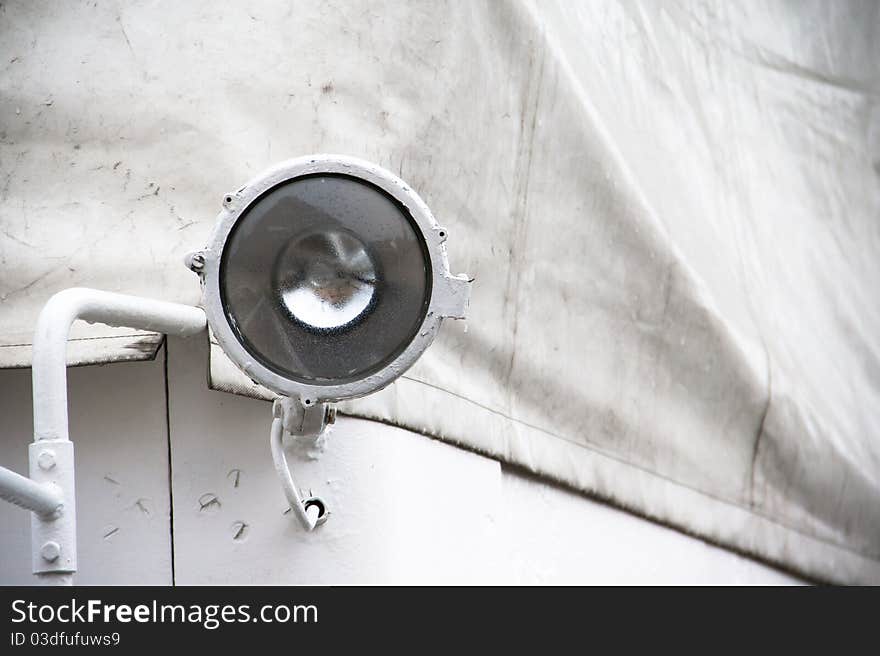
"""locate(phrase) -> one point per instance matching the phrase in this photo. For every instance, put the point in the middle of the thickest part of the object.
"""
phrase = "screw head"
(50, 551)
(46, 460)
(195, 261)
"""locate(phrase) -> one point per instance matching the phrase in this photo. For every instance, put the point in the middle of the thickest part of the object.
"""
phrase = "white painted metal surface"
(452, 516)
(406, 509)
(554, 536)
(117, 418)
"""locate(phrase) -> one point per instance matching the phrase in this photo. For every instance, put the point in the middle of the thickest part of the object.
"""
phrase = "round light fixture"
(326, 278)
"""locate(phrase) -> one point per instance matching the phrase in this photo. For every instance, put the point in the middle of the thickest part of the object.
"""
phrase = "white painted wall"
(406, 508)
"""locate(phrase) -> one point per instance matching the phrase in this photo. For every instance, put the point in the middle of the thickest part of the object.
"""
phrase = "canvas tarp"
(670, 210)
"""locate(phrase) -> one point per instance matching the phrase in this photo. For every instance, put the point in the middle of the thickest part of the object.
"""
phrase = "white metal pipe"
(53, 328)
(53, 537)
(41, 498)
(308, 518)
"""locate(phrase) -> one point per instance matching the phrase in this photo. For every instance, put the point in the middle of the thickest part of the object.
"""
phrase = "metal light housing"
(326, 278)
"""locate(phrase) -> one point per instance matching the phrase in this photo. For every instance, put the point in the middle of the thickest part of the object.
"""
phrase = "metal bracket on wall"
(53, 535)
(49, 495)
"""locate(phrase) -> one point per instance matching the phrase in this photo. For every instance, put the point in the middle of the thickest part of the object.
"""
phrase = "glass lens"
(325, 279)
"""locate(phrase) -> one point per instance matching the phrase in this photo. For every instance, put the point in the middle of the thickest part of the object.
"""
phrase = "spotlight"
(325, 279)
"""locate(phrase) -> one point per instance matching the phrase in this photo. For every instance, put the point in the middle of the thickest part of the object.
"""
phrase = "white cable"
(307, 516)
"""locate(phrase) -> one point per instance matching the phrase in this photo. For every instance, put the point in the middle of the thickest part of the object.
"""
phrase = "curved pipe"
(308, 514)
(53, 328)
(53, 536)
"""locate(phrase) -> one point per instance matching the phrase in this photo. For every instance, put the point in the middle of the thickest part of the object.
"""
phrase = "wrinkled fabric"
(670, 210)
